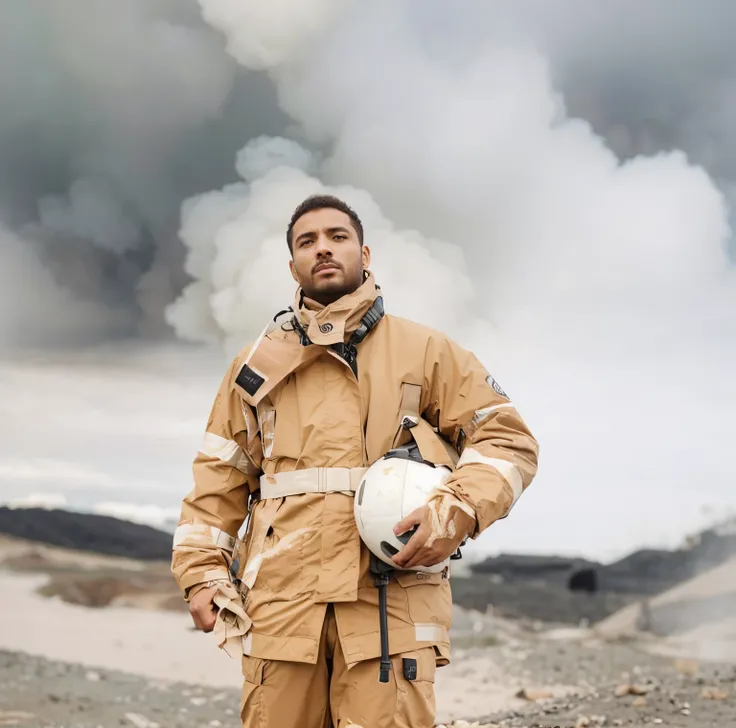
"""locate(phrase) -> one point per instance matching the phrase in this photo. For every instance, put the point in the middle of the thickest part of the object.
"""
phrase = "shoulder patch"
(491, 382)
(249, 380)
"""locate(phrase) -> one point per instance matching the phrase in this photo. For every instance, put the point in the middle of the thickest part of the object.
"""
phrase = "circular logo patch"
(326, 328)
(496, 387)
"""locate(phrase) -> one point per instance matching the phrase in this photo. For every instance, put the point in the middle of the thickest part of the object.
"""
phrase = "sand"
(158, 645)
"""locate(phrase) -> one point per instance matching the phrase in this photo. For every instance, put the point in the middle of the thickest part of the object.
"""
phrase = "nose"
(323, 247)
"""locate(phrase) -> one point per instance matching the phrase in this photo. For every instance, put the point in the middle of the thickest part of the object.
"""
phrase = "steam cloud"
(549, 182)
(112, 114)
(600, 283)
(268, 35)
(115, 113)
(543, 205)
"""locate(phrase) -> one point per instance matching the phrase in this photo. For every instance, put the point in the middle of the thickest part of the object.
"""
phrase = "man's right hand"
(203, 609)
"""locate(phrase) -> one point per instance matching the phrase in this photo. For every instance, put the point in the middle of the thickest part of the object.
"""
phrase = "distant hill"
(86, 532)
(643, 572)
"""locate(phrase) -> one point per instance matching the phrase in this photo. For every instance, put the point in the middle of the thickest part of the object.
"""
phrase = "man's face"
(327, 258)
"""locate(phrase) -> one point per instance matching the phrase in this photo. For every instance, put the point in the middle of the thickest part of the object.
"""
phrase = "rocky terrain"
(547, 681)
(90, 639)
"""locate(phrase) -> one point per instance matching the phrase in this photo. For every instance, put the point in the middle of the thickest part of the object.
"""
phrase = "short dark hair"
(320, 202)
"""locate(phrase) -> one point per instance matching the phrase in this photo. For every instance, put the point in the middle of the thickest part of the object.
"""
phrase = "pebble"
(140, 721)
(534, 694)
(14, 717)
(713, 694)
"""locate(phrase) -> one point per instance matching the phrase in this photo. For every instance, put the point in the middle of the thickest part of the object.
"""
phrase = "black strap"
(304, 340)
(368, 322)
(382, 573)
(282, 312)
(349, 351)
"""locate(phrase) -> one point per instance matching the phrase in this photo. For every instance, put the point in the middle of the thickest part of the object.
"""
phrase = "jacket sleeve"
(226, 470)
(498, 454)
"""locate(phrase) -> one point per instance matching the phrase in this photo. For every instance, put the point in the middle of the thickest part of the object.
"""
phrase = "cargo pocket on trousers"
(429, 602)
(415, 699)
(252, 714)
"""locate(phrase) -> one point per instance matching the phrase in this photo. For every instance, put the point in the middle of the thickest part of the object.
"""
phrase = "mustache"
(327, 263)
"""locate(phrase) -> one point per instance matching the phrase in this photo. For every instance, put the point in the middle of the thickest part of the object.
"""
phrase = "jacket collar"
(334, 323)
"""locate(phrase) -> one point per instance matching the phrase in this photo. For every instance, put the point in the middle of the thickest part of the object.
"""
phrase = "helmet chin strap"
(381, 570)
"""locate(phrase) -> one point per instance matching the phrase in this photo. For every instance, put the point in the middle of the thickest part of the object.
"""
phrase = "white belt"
(311, 480)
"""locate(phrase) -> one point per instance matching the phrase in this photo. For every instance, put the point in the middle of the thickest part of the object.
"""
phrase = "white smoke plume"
(268, 34)
(238, 247)
(498, 166)
(597, 287)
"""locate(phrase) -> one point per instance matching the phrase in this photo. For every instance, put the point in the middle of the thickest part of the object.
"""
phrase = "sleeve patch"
(491, 382)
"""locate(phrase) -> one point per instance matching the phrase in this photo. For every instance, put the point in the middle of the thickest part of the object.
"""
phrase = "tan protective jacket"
(300, 408)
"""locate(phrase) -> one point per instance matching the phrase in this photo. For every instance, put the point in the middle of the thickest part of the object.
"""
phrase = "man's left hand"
(430, 545)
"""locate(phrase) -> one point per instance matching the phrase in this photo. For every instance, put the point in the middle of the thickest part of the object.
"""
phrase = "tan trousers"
(280, 694)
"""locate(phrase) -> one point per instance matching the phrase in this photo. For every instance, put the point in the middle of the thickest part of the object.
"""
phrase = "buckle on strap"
(321, 480)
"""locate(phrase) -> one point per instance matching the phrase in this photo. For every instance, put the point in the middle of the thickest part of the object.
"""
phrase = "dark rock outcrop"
(86, 532)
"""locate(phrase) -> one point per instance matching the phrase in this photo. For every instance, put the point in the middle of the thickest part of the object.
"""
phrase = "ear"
(292, 269)
(365, 255)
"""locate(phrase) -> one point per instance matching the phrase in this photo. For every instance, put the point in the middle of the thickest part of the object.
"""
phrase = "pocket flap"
(412, 578)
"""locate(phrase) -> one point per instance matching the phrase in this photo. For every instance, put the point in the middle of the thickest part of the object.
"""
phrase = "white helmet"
(393, 487)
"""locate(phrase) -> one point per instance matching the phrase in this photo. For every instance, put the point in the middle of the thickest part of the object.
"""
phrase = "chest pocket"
(411, 424)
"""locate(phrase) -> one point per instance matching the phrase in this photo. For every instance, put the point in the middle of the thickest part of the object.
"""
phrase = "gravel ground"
(613, 685)
(619, 685)
(44, 694)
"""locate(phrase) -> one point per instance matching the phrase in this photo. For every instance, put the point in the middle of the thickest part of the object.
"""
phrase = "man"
(299, 416)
